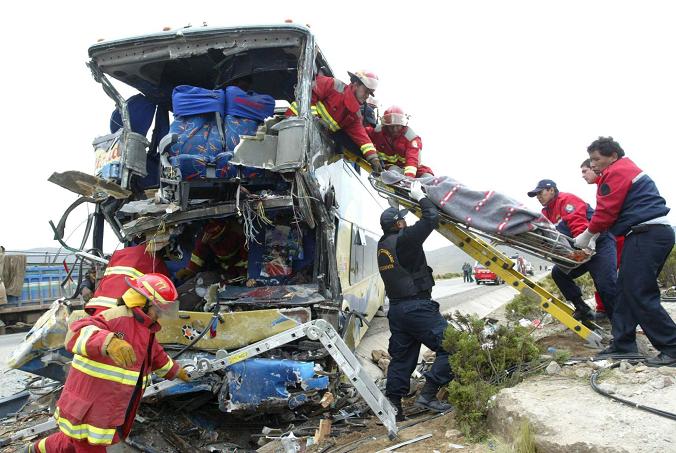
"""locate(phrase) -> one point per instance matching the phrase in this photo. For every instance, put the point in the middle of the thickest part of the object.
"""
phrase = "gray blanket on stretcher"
(487, 211)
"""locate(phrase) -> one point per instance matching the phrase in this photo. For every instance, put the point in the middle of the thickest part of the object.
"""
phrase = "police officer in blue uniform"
(413, 316)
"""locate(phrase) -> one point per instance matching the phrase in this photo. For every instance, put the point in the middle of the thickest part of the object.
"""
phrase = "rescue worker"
(398, 146)
(338, 106)
(222, 242)
(129, 262)
(369, 112)
(571, 216)
(413, 316)
(628, 204)
(591, 177)
(114, 353)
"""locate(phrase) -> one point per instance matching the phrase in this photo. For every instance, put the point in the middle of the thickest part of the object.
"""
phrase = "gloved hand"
(374, 162)
(183, 375)
(121, 353)
(416, 191)
(184, 274)
(586, 239)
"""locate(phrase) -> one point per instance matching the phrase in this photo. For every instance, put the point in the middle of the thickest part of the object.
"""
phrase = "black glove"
(374, 161)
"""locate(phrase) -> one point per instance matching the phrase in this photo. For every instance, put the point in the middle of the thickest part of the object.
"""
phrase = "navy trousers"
(413, 323)
(603, 270)
(638, 298)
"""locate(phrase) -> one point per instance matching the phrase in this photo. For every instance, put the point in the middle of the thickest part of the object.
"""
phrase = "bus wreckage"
(202, 157)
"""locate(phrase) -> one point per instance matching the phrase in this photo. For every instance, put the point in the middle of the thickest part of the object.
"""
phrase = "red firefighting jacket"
(336, 105)
(129, 262)
(625, 197)
(226, 248)
(403, 150)
(569, 213)
(99, 399)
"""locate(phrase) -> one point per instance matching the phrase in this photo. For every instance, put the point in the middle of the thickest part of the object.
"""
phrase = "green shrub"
(448, 275)
(483, 360)
(667, 277)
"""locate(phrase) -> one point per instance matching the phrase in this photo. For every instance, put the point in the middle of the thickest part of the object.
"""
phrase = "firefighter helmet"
(156, 288)
(395, 116)
(367, 78)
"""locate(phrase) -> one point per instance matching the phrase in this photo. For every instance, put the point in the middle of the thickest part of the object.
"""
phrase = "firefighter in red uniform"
(223, 242)
(397, 145)
(114, 354)
(571, 216)
(129, 262)
(591, 177)
(628, 204)
(338, 106)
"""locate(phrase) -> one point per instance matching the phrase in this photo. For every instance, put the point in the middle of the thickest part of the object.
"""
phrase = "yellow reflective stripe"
(81, 342)
(294, 108)
(102, 301)
(411, 169)
(162, 371)
(42, 447)
(242, 263)
(313, 110)
(104, 371)
(197, 260)
(391, 159)
(152, 292)
(327, 117)
(123, 270)
(228, 256)
(93, 434)
(367, 148)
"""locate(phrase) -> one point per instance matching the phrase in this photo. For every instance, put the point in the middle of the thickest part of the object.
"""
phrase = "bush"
(522, 307)
(484, 360)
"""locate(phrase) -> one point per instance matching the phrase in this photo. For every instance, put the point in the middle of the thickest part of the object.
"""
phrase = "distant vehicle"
(484, 275)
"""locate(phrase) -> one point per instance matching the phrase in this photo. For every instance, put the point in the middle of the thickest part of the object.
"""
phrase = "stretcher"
(481, 246)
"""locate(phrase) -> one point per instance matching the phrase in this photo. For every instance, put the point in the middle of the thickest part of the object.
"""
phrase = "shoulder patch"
(338, 85)
(569, 208)
(410, 134)
(120, 311)
(604, 189)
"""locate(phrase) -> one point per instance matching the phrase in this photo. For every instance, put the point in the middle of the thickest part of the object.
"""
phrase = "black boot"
(428, 399)
(396, 402)
(582, 311)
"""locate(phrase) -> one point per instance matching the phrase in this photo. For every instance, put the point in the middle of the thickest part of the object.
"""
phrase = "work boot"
(661, 359)
(428, 399)
(582, 311)
(612, 352)
(396, 402)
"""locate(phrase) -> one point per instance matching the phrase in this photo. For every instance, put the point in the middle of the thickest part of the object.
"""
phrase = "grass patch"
(447, 275)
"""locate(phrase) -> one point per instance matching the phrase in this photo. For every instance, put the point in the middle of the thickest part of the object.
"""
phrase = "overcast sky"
(502, 93)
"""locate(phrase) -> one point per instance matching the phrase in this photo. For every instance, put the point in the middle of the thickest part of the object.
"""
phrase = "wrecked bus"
(305, 220)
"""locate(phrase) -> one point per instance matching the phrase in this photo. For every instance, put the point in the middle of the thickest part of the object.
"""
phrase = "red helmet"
(395, 116)
(369, 79)
(157, 288)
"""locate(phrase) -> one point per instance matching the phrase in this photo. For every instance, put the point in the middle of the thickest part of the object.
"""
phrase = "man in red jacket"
(129, 262)
(628, 204)
(338, 106)
(571, 216)
(398, 146)
(591, 177)
(114, 354)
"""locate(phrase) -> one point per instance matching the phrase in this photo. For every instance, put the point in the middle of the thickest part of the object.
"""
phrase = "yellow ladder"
(500, 264)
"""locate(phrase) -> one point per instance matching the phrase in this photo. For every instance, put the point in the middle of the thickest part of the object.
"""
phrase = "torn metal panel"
(237, 329)
(257, 383)
(88, 185)
(147, 223)
(285, 295)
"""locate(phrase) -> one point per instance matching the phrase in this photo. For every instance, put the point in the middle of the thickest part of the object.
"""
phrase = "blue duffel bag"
(248, 104)
(198, 122)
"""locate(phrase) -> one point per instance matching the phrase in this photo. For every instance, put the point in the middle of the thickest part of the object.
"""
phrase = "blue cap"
(542, 185)
(390, 216)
